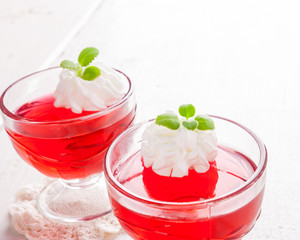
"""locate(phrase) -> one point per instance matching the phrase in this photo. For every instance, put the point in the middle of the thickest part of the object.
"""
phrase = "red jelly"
(192, 187)
(66, 150)
(230, 170)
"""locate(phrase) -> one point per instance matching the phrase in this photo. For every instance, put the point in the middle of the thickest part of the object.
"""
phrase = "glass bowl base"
(75, 201)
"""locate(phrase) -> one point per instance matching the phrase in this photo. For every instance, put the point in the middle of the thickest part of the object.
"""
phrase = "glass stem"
(82, 183)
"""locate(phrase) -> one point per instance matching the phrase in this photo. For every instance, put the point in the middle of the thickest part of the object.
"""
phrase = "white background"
(237, 59)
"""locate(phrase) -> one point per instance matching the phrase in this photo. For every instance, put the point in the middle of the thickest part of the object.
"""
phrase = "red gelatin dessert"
(170, 180)
(79, 148)
(192, 187)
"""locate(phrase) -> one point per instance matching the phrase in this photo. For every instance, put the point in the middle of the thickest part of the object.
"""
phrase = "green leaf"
(67, 64)
(87, 55)
(169, 120)
(190, 125)
(205, 122)
(91, 73)
(187, 110)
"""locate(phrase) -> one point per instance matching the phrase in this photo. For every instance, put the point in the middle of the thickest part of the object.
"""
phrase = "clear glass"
(229, 216)
(71, 150)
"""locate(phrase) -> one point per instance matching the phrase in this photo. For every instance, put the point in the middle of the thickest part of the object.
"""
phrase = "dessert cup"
(228, 216)
(70, 150)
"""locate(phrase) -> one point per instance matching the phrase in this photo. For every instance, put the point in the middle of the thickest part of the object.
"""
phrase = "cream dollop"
(174, 152)
(74, 93)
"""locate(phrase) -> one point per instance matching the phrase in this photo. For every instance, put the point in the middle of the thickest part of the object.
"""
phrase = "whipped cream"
(174, 152)
(74, 93)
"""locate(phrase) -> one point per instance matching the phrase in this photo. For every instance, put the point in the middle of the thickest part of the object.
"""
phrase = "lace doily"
(27, 220)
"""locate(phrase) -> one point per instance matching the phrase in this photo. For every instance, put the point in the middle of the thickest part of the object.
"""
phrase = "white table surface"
(237, 59)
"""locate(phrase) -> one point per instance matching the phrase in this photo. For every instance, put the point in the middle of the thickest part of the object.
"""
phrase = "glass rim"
(102, 112)
(251, 181)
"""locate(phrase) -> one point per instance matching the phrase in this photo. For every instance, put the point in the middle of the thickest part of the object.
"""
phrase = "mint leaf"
(169, 120)
(190, 125)
(187, 110)
(87, 55)
(67, 64)
(205, 122)
(90, 73)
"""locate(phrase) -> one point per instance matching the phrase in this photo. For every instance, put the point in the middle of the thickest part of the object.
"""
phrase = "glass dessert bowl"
(65, 145)
(222, 203)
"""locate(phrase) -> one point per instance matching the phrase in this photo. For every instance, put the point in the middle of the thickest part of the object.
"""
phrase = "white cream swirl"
(74, 93)
(174, 152)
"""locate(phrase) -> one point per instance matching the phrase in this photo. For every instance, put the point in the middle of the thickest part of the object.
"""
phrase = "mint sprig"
(190, 125)
(69, 65)
(90, 72)
(187, 110)
(171, 120)
(87, 55)
(205, 122)
(82, 68)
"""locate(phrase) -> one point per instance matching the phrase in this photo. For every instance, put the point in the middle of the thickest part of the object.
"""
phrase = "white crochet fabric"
(28, 221)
